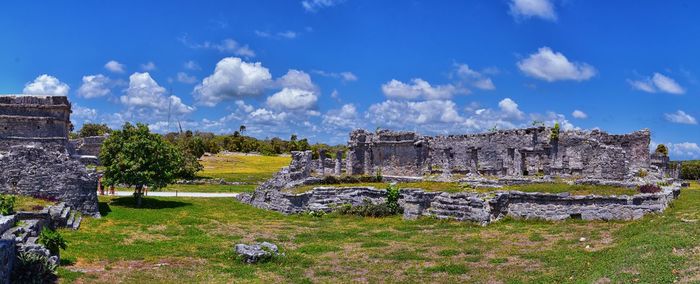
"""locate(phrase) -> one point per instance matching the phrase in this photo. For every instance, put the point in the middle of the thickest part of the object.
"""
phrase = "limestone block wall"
(517, 152)
(43, 171)
(34, 116)
(474, 207)
(7, 260)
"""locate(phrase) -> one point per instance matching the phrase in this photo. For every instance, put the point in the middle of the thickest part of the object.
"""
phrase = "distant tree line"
(193, 145)
(690, 170)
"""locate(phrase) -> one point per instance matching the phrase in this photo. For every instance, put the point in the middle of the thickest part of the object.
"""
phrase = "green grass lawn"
(456, 187)
(242, 167)
(26, 203)
(188, 240)
(203, 188)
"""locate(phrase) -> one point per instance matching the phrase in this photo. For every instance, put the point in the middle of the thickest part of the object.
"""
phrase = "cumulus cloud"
(579, 114)
(474, 78)
(316, 5)
(95, 86)
(150, 66)
(225, 46)
(345, 118)
(114, 66)
(232, 78)
(552, 66)
(510, 108)
(292, 99)
(680, 117)
(144, 95)
(343, 76)
(84, 113)
(46, 85)
(295, 79)
(183, 77)
(418, 89)
(657, 83)
(543, 9)
(402, 114)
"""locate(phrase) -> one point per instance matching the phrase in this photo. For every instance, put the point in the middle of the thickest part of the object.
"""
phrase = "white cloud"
(287, 34)
(83, 113)
(474, 78)
(554, 66)
(295, 79)
(315, 5)
(225, 46)
(658, 83)
(95, 86)
(46, 85)
(115, 66)
(293, 99)
(150, 66)
(680, 117)
(345, 118)
(510, 108)
(402, 114)
(418, 89)
(533, 8)
(233, 78)
(145, 95)
(579, 114)
(183, 77)
(343, 76)
(191, 65)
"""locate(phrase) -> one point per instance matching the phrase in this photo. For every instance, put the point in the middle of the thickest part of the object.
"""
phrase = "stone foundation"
(474, 207)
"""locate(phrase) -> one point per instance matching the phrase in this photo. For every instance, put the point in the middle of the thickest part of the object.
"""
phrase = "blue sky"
(319, 68)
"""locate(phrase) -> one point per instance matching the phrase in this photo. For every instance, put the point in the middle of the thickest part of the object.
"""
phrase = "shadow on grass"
(104, 208)
(147, 203)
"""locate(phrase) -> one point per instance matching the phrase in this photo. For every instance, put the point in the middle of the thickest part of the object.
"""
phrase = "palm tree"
(241, 128)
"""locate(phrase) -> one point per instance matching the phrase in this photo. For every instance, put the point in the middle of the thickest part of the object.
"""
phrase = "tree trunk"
(138, 194)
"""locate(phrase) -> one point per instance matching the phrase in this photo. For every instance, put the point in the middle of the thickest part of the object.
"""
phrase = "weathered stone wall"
(36, 158)
(43, 172)
(89, 146)
(474, 207)
(34, 116)
(518, 152)
(7, 260)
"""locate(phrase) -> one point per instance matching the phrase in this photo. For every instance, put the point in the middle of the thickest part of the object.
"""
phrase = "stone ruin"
(507, 157)
(514, 153)
(36, 158)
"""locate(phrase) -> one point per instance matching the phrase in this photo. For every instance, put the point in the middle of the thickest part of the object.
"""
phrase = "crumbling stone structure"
(87, 149)
(517, 152)
(36, 158)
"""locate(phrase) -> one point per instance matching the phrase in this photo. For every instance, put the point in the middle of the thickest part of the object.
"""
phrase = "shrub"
(33, 268)
(366, 210)
(378, 176)
(555, 132)
(392, 198)
(642, 173)
(52, 240)
(662, 150)
(649, 188)
(7, 204)
(316, 213)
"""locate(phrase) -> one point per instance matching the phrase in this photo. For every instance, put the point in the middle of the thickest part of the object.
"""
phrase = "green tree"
(662, 149)
(241, 128)
(136, 157)
(94, 129)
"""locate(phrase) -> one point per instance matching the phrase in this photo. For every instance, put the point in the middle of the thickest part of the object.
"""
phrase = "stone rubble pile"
(257, 252)
(19, 233)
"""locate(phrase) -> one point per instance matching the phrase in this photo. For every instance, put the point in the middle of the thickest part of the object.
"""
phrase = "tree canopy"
(136, 157)
(94, 129)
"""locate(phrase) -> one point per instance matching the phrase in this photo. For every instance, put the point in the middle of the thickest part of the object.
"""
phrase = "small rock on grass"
(259, 252)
